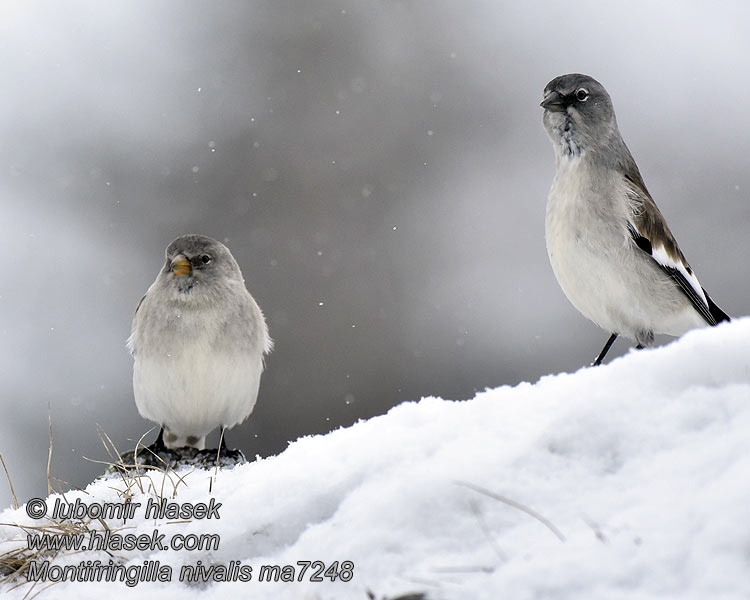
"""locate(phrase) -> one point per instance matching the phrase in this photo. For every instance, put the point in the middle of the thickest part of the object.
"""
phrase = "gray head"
(579, 117)
(195, 262)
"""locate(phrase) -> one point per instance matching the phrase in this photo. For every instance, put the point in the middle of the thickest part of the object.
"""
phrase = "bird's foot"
(158, 456)
(221, 457)
(153, 457)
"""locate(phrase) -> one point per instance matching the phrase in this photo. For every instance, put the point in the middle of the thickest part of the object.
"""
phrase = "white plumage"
(198, 341)
(610, 282)
(609, 246)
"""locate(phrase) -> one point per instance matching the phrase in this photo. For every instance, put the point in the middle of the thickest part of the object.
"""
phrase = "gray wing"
(649, 231)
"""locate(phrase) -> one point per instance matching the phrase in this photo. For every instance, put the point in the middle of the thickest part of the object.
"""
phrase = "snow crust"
(641, 466)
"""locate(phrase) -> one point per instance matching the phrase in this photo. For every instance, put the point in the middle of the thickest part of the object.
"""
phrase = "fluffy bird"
(198, 341)
(610, 247)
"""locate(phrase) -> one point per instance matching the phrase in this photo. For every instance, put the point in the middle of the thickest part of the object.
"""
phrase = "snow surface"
(642, 465)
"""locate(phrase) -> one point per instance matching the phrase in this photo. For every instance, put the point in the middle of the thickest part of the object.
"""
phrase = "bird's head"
(578, 115)
(199, 261)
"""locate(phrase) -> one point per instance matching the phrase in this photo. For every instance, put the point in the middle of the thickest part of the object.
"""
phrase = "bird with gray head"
(198, 341)
(610, 247)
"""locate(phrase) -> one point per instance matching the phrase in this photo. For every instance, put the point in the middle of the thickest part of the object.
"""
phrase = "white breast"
(618, 287)
(194, 391)
(184, 377)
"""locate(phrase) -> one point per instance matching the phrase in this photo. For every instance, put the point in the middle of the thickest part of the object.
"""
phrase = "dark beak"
(554, 102)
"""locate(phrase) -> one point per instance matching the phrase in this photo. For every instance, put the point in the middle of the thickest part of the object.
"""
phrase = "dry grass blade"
(27, 597)
(218, 451)
(14, 562)
(486, 531)
(10, 483)
(108, 444)
(510, 502)
(133, 473)
(51, 445)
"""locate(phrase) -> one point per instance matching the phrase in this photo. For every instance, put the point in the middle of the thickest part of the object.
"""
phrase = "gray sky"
(379, 170)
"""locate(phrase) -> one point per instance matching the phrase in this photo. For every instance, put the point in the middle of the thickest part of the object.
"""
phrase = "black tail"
(718, 314)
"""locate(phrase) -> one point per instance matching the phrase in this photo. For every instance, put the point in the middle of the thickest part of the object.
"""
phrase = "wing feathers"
(678, 272)
(651, 234)
(718, 314)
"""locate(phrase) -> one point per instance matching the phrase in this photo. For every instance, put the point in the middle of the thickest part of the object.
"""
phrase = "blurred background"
(378, 168)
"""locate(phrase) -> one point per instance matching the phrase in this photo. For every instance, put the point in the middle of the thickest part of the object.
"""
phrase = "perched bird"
(198, 341)
(610, 247)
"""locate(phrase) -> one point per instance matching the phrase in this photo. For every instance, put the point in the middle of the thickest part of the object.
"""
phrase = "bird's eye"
(205, 259)
(582, 94)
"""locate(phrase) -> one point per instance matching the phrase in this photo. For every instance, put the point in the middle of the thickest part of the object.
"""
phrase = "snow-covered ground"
(631, 480)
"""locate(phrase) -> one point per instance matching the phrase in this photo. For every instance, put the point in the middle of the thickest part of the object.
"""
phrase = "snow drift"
(630, 480)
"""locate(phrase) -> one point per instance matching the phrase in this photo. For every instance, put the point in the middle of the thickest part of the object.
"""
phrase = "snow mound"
(630, 480)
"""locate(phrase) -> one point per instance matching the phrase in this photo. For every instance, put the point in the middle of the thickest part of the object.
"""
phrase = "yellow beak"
(181, 265)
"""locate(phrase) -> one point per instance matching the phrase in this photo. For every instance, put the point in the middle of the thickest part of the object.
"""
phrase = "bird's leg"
(221, 456)
(640, 347)
(235, 455)
(604, 351)
(157, 454)
(158, 445)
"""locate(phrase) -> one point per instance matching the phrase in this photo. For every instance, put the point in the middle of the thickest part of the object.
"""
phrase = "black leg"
(604, 351)
(158, 446)
(157, 454)
(159, 443)
(640, 347)
(221, 456)
(231, 456)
